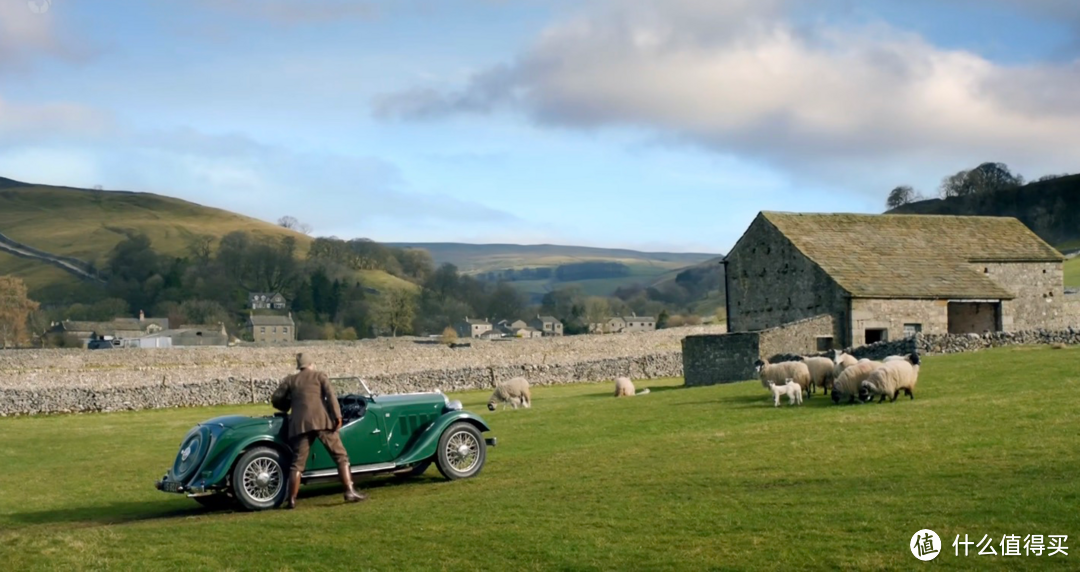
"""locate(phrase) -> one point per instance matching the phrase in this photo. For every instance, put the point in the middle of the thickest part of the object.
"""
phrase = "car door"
(364, 439)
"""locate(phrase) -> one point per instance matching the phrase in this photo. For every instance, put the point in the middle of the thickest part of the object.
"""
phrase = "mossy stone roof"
(913, 256)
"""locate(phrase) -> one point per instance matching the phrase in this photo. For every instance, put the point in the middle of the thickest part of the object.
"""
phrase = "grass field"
(682, 479)
(1072, 272)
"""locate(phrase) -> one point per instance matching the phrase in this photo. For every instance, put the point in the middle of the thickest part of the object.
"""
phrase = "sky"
(646, 124)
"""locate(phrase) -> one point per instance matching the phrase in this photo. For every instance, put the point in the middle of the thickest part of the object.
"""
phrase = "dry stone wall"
(60, 381)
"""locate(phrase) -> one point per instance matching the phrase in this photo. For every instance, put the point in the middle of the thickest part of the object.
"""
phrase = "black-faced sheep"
(790, 389)
(779, 373)
(822, 370)
(891, 378)
(625, 388)
(515, 392)
(847, 385)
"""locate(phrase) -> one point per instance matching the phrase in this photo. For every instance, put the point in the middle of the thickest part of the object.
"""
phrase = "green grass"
(1072, 272)
(682, 479)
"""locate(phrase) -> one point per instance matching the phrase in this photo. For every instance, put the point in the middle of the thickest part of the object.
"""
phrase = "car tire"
(220, 501)
(260, 479)
(462, 451)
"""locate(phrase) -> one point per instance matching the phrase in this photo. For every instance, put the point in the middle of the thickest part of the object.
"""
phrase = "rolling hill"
(1049, 208)
(512, 261)
(86, 224)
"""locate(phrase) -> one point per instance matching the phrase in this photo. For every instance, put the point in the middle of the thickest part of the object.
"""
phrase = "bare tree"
(288, 222)
(15, 310)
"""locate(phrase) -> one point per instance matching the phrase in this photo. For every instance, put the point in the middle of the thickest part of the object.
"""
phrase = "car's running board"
(355, 469)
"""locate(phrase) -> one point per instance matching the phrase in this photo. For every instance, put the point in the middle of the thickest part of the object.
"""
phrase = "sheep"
(894, 358)
(849, 382)
(625, 387)
(891, 378)
(842, 361)
(821, 372)
(515, 392)
(781, 372)
(790, 388)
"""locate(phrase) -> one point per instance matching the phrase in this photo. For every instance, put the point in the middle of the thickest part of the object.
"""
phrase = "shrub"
(449, 335)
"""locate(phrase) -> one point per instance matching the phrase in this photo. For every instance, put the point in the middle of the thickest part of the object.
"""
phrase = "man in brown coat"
(315, 415)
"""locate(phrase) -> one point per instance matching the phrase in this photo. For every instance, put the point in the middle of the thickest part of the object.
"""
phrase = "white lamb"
(625, 388)
(850, 380)
(821, 372)
(891, 378)
(515, 392)
(790, 389)
(783, 371)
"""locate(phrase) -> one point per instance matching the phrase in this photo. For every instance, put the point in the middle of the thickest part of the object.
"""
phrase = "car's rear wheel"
(260, 479)
(462, 451)
(220, 501)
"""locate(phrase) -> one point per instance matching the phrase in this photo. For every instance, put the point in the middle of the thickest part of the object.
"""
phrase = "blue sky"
(650, 124)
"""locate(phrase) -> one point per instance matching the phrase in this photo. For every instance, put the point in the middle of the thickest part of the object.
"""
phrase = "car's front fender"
(425, 446)
(232, 444)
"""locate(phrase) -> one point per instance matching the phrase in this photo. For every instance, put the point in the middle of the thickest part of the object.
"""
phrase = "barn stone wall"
(771, 283)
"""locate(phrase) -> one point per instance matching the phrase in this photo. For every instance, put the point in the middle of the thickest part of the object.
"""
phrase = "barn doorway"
(974, 317)
(875, 335)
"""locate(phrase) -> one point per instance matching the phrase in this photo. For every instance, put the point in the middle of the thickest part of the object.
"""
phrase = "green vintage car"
(237, 459)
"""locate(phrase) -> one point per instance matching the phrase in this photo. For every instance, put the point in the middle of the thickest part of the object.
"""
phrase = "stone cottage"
(472, 328)
(882, 277)
(547, 325)
(271, 329)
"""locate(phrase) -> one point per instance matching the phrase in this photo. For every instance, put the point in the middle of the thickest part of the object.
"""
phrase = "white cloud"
(27, 122)
(740, 77)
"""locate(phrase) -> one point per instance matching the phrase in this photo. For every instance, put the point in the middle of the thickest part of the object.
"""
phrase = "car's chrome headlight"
(454, 405)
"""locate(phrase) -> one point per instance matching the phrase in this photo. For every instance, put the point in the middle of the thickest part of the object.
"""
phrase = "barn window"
(911, 329)
(986, 270)
(824, 343)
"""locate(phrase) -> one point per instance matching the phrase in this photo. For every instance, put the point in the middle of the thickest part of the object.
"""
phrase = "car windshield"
(351, 382)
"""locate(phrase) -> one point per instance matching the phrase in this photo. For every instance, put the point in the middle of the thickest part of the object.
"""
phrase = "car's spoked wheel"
(259, 479)
(462, 451)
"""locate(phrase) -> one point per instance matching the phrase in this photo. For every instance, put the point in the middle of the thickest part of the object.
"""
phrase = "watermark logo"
(925, 545)
(39, 6)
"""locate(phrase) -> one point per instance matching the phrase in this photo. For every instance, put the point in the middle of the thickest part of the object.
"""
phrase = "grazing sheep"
(515, 392)
(790, 389)
(894, 358)
(625, 387)
(891, 378)
(842, 361)
(847, 385)
(783, 371)
(821, 372)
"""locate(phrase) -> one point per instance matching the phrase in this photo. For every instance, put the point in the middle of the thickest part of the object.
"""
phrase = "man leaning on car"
(315, 415)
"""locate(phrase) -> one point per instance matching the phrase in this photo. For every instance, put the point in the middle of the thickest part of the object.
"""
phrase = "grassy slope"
(645, 267)
(86, 224)
(682, 479)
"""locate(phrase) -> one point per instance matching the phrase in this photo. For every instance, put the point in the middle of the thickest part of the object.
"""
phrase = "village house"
(624, 324)
(184, 336)
(871, 278)
(471, 328)
(271, 329)
(547, 325)
(267, 301)
(117, 328)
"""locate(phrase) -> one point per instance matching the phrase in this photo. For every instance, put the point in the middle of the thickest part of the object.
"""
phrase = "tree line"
(210, 283)
(986, 178)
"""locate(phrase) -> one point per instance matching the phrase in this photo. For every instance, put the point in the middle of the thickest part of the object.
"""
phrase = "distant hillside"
(86, 224)
(537, 269)
(1050, 208)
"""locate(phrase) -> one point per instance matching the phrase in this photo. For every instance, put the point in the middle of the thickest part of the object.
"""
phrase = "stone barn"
(844, 280)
